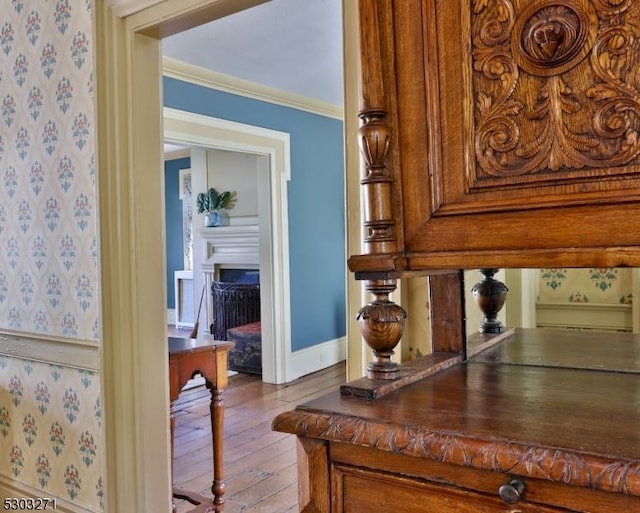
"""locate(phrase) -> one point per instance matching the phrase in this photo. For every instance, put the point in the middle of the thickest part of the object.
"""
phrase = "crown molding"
(122, 8)
(198, 75)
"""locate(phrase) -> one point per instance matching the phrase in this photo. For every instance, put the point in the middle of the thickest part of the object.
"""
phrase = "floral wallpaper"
(596, 285)
(50, 415)
(50, 428)
(48, 240)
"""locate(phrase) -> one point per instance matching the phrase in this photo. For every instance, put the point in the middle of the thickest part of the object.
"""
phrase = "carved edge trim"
(549, 463)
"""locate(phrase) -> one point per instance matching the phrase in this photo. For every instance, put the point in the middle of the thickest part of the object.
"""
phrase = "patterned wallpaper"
(600, 285)
(48, 243)
(50, 415)
(50, 430)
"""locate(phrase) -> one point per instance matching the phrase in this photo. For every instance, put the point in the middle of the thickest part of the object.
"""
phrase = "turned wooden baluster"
(381, 321)
(381, 325)
(374, 139)
(490, 295)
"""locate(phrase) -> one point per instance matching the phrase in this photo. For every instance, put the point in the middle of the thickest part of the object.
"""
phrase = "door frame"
(134, 363)
(193, 129)
(134, 366)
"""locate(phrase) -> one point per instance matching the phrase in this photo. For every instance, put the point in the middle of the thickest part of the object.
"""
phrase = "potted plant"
(212, 203)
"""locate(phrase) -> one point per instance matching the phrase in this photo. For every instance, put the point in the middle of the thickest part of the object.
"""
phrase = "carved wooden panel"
(513, 130)
(555, 91)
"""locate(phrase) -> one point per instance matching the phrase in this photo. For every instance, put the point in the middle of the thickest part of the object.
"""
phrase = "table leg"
(204, 504)
(172, 431)
(217, 434)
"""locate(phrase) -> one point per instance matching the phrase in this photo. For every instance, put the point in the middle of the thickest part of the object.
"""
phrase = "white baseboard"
(318, 357)
(595, 316)
(15, 489)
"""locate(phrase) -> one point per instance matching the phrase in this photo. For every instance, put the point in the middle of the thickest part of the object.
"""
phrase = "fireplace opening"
(236, 317)
(236, 300)
(247, 276)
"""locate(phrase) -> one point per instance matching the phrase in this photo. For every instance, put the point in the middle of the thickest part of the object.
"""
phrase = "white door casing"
(274, 172)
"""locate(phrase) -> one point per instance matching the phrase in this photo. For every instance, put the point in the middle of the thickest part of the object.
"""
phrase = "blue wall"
(173, 220)
(316, 203)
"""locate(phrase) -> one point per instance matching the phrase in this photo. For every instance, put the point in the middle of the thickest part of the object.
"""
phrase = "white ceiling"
(291, 45)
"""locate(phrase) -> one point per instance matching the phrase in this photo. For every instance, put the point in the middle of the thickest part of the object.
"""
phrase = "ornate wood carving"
(375, 133)
(381, 325)
(375, 138)
(553, 464)
(556, 87)
(511, 118)
(489, 296)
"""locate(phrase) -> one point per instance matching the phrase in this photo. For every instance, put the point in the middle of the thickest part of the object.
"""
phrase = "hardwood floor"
(260, 465)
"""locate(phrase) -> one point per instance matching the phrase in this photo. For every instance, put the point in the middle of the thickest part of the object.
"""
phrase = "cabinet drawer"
(357, 490)
(482, 485)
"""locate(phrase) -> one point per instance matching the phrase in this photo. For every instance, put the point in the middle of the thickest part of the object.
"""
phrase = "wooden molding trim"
(197, 75)
(547, 463)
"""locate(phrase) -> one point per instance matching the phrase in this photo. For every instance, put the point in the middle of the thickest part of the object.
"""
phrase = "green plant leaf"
(202, 203)
(211, 200)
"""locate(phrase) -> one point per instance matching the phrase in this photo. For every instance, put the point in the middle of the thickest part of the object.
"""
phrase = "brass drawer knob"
(512, 492)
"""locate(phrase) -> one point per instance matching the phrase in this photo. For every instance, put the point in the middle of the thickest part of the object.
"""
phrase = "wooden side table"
(208, 357)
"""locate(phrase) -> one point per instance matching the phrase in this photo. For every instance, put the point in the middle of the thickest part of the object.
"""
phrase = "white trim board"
(57, 351)
(597, 316)
(317, 357)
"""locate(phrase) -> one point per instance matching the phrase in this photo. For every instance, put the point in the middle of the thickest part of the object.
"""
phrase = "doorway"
(134, 372)
(272, 149)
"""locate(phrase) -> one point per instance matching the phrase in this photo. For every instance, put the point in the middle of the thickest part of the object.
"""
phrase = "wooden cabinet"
(494, 133)
(555, 410)
(490, 126)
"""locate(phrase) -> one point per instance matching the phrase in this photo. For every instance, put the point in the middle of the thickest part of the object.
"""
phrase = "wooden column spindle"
(375, 138)
(490, 295)
(381, 325)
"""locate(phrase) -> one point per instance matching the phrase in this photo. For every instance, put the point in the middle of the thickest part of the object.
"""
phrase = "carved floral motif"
(556, 85)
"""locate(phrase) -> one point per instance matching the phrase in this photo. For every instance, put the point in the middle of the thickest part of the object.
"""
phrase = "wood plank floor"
(260, 465)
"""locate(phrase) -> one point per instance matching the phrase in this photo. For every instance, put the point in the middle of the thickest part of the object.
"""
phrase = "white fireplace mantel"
(230, 246)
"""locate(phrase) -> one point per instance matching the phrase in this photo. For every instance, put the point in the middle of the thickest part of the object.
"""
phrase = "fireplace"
(231, 254)
(235, 299)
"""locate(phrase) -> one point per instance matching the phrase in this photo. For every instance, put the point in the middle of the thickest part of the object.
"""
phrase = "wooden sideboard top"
(552, 404)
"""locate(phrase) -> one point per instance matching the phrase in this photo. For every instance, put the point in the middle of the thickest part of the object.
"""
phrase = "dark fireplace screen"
(234, 304)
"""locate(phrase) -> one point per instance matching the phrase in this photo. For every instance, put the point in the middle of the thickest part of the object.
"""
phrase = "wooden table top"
(202, 343)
